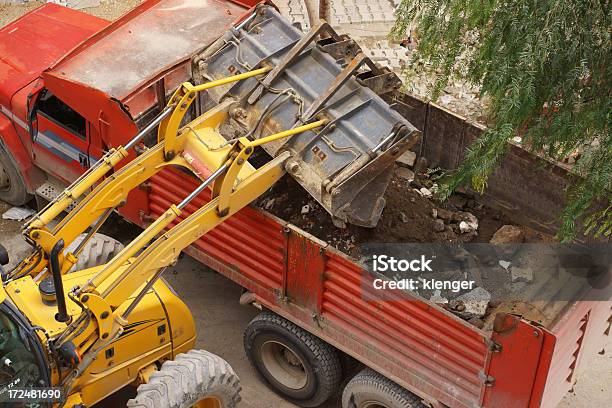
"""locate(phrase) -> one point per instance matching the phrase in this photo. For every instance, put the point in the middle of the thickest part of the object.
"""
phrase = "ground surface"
(214, 299)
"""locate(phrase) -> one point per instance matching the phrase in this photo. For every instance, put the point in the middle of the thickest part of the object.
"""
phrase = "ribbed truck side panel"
(440, 354)
(247, 243)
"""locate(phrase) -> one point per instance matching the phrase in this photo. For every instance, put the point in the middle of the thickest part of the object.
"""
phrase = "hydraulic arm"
(108, 298)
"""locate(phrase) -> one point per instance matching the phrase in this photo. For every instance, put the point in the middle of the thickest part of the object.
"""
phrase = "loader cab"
(22, 361)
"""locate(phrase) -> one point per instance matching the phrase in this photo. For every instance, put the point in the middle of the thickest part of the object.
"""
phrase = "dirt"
(108, 9)
(408, 216)
(7, 227)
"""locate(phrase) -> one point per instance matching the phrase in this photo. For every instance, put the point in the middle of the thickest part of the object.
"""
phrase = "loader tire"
(292, 362)
(193, 377)
(12, 185)
(99, 250)
(370, 389)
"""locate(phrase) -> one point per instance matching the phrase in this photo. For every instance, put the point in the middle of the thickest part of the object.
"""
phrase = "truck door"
(60, 138)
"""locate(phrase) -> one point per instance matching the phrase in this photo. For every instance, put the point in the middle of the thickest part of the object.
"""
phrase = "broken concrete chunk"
(472, 221)
(465, 227)
(475, 301)
(446, 99)
(269, 204)
(18, 213)
(425, 192)
(438, 298)
(407, 159)
(444, 214)
(508, 234)
(520, 274)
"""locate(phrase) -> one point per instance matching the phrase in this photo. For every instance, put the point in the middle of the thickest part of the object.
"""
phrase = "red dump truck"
(73, 85)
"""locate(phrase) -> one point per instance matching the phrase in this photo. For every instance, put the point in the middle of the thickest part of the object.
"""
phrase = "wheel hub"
(284, 364)
(210, 402)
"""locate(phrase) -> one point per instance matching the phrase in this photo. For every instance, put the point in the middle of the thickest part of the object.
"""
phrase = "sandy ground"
(108, 9)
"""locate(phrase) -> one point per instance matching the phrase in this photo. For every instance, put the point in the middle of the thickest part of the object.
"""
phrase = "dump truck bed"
(414, 342)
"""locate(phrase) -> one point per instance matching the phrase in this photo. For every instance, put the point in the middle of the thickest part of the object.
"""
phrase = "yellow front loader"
(76, 337)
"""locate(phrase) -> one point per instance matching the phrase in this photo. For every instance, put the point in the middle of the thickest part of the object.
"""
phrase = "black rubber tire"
(320, 361)
(187, 379)
(99, 250)
(370, 387)
(16, 193)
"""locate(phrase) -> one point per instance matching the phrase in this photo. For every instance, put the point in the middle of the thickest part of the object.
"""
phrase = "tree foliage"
(545, 67)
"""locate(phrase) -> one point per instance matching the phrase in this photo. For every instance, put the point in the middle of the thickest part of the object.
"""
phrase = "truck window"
(60, 113)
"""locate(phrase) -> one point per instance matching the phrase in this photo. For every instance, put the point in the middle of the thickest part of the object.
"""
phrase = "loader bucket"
(347, 165)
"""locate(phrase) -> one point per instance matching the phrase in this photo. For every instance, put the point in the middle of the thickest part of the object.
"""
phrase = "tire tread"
(371, 380)
(329, 364)
(182, 381)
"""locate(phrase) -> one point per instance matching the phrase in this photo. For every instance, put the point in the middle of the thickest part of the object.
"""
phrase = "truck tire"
(99, 250)
(369, 389)
(12, 186)
(294, 363)
(195, 377)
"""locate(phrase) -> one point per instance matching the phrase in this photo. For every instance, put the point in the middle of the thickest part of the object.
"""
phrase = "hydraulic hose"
(56, 271)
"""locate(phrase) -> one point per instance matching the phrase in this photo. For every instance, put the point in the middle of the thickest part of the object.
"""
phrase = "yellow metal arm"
(131, 273)
(112, 293)
(114, 190)
(183, 97)
(229, 196)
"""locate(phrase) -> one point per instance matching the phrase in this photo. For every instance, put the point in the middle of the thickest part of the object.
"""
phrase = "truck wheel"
(369, 389)
(99, 250)
(194, 379)
(294, 363)
(12, 186)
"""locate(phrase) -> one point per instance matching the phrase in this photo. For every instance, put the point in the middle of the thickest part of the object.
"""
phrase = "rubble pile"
(414, 215)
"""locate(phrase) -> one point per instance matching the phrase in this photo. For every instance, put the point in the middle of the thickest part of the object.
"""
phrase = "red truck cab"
(72, 85)
(30, 45)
